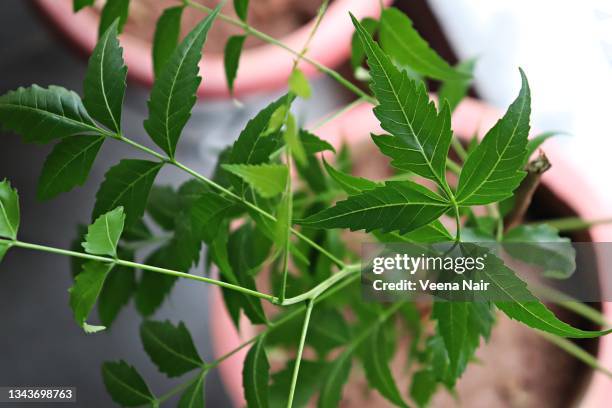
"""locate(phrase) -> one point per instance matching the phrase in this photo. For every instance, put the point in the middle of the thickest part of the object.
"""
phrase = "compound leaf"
(256, 375)
(86, 289)
(268, 180)
(125, 385)
(166, 37)
(113, 10)
(103, 235)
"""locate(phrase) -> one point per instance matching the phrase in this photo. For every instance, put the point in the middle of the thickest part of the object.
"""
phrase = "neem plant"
(290, 230)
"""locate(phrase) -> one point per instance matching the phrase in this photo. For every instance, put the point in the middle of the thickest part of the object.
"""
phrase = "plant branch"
(573, 223)
(197, 378)
(323, 286)
(298, 357)
(271, 40)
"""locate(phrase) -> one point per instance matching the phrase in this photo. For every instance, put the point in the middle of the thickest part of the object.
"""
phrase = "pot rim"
(470, 117)
(263, 68)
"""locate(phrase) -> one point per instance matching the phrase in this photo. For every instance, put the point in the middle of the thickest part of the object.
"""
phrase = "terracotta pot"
(263, 68)
(471, 116)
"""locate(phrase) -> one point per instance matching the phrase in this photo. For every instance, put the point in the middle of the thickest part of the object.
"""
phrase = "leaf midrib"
(125, 385)
(131, 185)
(102, 82)
(169, 349)
(52, 114)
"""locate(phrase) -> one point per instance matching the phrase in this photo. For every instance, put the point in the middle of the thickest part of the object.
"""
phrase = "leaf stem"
(573, 223)
(300, 351)
(137, 265)
(458, 147)
(323, 286)
(271, 40)
(197, 378)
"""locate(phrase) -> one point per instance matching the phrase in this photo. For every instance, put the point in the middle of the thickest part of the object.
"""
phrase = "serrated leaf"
(166, 38)
(495, 168)
(207, 215)
(256, 375)
(402, 206)
(422, 135)
(113, 10)
(241, 7)
(268, 180)
(105, 80)
(314, 144)
(125, 385)
(127, 184)
(454, 90)
(80, 4)
(404, 44)
(170, 347)
(154, 287)
(350, 184)
(193, 397)
(163, 206)
(103, 235)
(541, 245)
(311, 378)
(43, 114)
(337, 375)
(536, 141)
(68, 165)
(174, 91)
(327, 330)
(376, 366)
(298, 84)
(231, 58)
(431, 233)
(357, 52)
(9, 210)
(117, 290)
(517, 302)
(87, 286)
(423, 387)
(292, 140)
(452, 320)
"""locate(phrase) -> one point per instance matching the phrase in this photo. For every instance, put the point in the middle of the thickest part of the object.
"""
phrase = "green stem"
(569, 303)
(328, 118)
(458, 147)
(457, 220)
(289, 197)
(452, 166)
(137, 265)
(197, 378)
(265, 37)
(573, 223)
(323, 286)
(298, 357)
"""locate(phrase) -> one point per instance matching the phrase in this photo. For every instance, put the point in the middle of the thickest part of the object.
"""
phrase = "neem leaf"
(454, 90)
(163, 206)
(127, 184)
(174, 91)
(242, 8)
(256, 375)
(103, 235)
(116, 292)
(125, 386)
(350, 184)
(357, 52)
(268, 180)
(400, 40)
(207, 214)
(298, 84)
(314, 144)
(170, 347)
(3, 249)
(79, 4)
(452, 320)
(193, 397)
(337, 375)
(402, 206)
(541, 245)
(43, 114)
(311, 378)
(9, 210)
(105, 80)
(495, 168)
(536, 141)
(231, 58)
(86, 288)
(113, 10)
(68, 165)
(422, 134)
(293, 141)
(423, 387)
(153, 287)
(166, 37)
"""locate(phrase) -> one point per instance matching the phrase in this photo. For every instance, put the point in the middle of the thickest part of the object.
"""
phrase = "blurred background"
(565, 47)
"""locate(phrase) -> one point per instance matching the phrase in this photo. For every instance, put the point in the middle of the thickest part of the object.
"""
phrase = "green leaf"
(337, 375)
(193, 397)
(117, 290)
(208, 213)
(9, 210)
(105, 80)
(430, 233)
(154, 287)
(125, 386)
(256, 375)
(241, 7)
(376, 366)
(521, 304)
(163, 206)
(421, 135)
(166, 38)
(68, 165)
(86, 288)
(536, 141)
(357, 52)
(402, 206)
(3, 249)
(170, 347)
(452, 320)
(113, 10)
(314, 144)
(311, 378)
(103, 235)
(327, 330)
(495, 168)
(404, 44)
(454, 90)
(423, 387)
(231, 58)
(298, 84)
(292, 140)
(268, 180)
(541, 245)
(127, 184)
(43, 114)
(174, 91)
(80, 4)
(350, 184)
